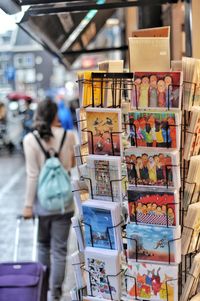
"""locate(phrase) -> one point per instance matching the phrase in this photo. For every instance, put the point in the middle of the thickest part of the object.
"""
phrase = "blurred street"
(12, 191)
(12, 184)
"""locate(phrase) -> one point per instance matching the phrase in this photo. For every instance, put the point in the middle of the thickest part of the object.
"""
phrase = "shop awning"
(66, 28)
(66, 34)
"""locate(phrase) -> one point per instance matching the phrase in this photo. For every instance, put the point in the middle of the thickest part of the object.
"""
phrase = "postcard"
(153, 167)
(152, 243)
(191, 285)
(157, 90)
(153, 206)
(191, 88)
(100, 220)
(89, 90)
(192, 143)
(155, 129)
(105, 175)
(191, 230)
(100, 264)
(104, 131)
(156, 58)
(152, 282)
(192, 184)
(81, 125)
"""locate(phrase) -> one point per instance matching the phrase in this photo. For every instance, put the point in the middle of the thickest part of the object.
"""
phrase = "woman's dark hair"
(44, 116)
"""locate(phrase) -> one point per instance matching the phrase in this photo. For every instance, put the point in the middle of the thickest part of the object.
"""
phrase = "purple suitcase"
(23, 281)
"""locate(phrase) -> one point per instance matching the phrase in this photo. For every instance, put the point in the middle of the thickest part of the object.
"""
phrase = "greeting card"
(103, 273)
(155, 129)
(153, 206)
(157, 90)
(82, 124)
(89, 90)
(192, 143)
(153, 167)
(104, 131)
(105, 175)
(101, 220)
(152, 243)
(190, 287)
(152, 281)
(191, 230)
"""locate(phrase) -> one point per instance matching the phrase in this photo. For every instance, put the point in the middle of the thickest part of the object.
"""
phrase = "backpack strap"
(46, 153)
(62, 142)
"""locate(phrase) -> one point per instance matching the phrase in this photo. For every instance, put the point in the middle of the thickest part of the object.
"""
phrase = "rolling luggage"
(23, 281)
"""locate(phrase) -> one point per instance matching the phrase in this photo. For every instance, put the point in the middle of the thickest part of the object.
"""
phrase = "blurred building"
(26, 66)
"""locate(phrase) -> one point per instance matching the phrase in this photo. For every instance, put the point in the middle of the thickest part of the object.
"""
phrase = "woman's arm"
(32, 170)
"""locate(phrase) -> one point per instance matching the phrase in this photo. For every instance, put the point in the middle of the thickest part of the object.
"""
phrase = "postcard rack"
(118, 85)
(121, 89)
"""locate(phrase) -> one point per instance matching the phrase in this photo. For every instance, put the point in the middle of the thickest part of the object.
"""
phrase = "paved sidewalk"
(12, 190)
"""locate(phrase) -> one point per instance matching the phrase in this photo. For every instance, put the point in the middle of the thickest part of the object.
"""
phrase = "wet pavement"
(12, 191)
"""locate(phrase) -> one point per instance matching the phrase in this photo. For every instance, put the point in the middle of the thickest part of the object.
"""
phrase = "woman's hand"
(27, 212)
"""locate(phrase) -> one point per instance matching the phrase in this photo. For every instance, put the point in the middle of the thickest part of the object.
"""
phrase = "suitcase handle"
(35, 220)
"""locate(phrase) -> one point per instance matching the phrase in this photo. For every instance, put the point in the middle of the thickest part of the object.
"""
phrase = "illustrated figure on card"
(153, 129)
(144, 92)
(136, 92)
(161, 94)
(104, 129)
(99, 282)
(152, 282)
(157, 90)
(153, 94)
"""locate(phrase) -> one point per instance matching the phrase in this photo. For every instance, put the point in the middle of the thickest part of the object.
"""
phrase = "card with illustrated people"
(152, 282)
(101, 222)
(153, 167)
(155, 129)
(157, 90)
(153, 206)
(105, 175)
(153, 243)
(99, 265)
(104, 128)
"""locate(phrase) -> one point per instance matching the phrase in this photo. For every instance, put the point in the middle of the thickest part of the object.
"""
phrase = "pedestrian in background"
(64, 113)
(53, 226)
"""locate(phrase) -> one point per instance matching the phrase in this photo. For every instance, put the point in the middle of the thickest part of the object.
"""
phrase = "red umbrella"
(18, 95)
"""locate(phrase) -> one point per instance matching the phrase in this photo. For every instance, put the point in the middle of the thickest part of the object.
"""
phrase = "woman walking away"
(50, 147)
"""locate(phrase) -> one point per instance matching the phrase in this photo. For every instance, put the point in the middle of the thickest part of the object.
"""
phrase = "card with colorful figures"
(152, 282)
(152, 243)
(105, 175)
(155, 129)
(152, 167)
(101, 221)
(103, 273)
(104, 128)
(153, 206)
(157, 90)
